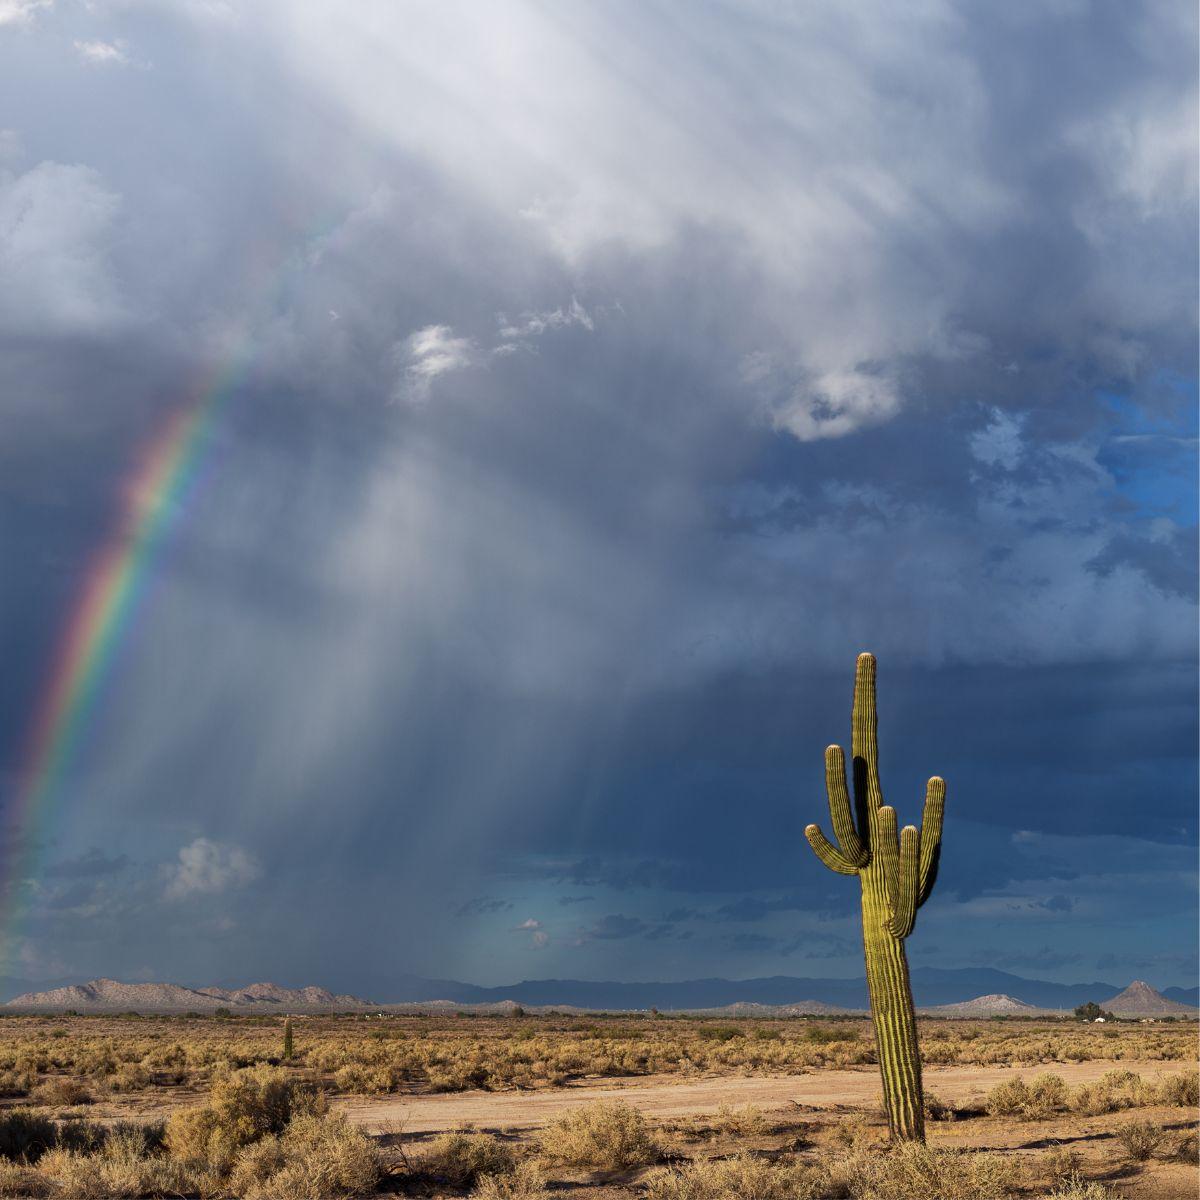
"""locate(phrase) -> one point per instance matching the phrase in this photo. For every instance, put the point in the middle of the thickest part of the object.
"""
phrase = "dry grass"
(602, 1136)
(461, 1158)
(908, 1172)
(1078, 1188)
(18, 1180)
(261, 1130)
(25, 1135)
(1140, 1139)
(1118, 1089)
(526, 1182)
(120, 1168)
(744, 1175)
(243, 1107)
(315, 1157)
(361, 1055)
(915, 1172)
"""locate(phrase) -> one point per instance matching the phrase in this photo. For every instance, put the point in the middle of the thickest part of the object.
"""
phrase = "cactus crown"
(908, 861)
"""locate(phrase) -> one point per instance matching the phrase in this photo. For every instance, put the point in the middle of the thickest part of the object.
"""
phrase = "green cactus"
(897, 874)
(287, 1038)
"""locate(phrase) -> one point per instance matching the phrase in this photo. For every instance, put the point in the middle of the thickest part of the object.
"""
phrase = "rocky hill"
(800, 1008)
(994, 1005)
(1139, 999)
(111, 995)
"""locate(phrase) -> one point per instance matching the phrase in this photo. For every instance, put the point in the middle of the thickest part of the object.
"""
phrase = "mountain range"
(109, 994)
(933, 988)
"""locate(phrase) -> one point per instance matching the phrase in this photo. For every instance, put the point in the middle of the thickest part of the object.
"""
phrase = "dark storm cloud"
(88, 865)
(613, 927)
(604, 397)
(482, 905)
(1045, 958)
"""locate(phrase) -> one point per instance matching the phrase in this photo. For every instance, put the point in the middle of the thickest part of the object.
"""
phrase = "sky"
(598, 380)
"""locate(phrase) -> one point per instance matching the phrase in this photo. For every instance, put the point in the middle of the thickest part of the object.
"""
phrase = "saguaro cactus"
(897, 874)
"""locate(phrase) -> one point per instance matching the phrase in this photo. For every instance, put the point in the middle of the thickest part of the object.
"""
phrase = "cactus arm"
(904, 912)
(854, 852)
(886, 851)
(931, 836)
(865, 741)
(827, 852)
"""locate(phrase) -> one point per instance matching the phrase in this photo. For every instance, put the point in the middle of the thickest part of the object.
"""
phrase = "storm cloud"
(603, 378)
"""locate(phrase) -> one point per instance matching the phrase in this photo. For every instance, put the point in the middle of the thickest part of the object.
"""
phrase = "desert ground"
(595, 1107)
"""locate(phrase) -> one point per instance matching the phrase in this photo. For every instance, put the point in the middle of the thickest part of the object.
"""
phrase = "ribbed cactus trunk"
(897, 873)
(893, 1016)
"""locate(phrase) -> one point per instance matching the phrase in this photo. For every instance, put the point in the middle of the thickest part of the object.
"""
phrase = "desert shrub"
(90, 1137)
(856, 1133)
(25, 1136)
(747, 1121)
(915, 1172)
(316, 1156)
(16, 1083)
(1139, 1139)
(824, 1035)
(1094, 1099)
(22, 1181)
(129, 1077)
(120, 1168)
(1119, 1078)
(1047, 1095)
(718, 1033)
(1182, 1090)
(1009, 1098)
(601, 1136)
(1028, 1101)
(460, 1158)
(1077, 1188)
(61, 1092)
(743, 1176)
(365, 1081)
(1187, 1146)
(1063, 1162)
(524, 1183)
(242, 1107)
(937, 1109)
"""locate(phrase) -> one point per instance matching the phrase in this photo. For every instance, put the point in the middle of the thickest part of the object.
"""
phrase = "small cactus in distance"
(287, 1038)
(897, 873)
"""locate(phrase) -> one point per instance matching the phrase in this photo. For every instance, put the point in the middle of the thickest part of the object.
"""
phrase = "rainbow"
(155, 492)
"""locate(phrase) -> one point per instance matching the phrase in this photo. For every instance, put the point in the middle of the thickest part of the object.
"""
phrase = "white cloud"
(208, 868)
(103, 53)
(834, 404)
(427, 354)
(21, 12)
(534, 324)
(538, 937)
(55, 227)
(999, 443)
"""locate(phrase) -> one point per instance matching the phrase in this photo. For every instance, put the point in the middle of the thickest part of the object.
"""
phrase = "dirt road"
(669, 1096)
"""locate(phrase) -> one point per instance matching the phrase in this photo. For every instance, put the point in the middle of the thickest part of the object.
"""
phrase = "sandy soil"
(663, 1097)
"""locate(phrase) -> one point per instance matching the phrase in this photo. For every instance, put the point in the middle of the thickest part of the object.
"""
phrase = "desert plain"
(595, 1107)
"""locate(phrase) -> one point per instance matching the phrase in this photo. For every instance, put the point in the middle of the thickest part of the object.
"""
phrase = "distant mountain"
(1188, 996)
(110, 994)
(802, 1008)
(1139, 999)
(990, 1006)
(931, 986)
